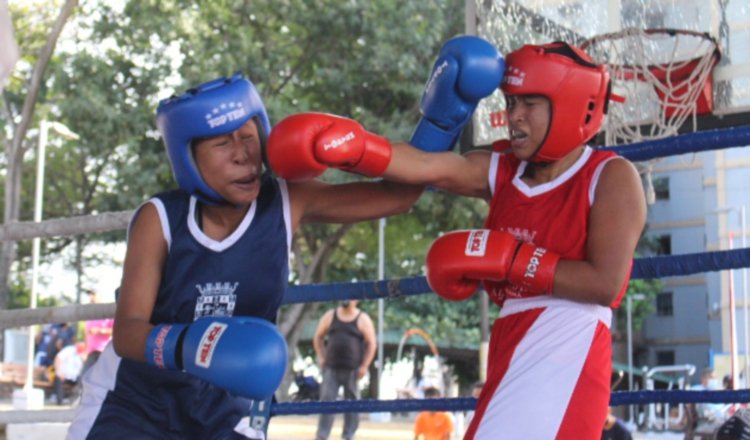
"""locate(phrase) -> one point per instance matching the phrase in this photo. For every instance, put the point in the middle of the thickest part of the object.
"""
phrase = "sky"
(56, 281)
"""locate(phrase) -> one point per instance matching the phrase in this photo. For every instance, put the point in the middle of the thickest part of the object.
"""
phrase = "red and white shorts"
(549, 372)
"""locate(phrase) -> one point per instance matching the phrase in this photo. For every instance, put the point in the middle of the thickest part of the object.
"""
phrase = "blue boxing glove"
(246, 356)
(467, 70)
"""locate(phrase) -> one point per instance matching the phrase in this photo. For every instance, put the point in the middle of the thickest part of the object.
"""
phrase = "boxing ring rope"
(643, 268)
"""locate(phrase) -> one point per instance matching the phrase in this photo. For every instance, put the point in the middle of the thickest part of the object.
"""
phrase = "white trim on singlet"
(210, 243)
(494, 163)
(554, 183)
(163, 220)
(284, 189)
(595, 179)
(517, 305)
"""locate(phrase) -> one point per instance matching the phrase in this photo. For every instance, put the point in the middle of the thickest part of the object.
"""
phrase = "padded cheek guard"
(211, 109)
(578, 90)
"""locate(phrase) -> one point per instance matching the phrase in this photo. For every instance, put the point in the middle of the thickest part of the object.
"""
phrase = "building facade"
(698, 205)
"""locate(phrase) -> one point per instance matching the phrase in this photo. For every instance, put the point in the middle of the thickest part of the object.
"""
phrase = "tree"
(366, 60)
(19, 124)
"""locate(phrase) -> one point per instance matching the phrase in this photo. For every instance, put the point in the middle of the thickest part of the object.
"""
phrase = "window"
(664, 245)
(661, 188)
(664, 304)
(665, 357)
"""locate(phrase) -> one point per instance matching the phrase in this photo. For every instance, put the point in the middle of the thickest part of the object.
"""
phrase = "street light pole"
(746, 333)
(630, 298)
(746, 320)
(381, 305)
(66, 133)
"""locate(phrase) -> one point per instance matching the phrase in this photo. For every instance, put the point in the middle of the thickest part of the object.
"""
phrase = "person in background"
(67, 369)
(345, 345)
(44, 337)
(615, 429)
(433, 425)
(476, 390)
(710, 412)
(416, 384)
(98, 332)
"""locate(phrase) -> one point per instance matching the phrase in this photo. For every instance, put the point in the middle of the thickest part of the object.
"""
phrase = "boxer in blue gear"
(195, 354)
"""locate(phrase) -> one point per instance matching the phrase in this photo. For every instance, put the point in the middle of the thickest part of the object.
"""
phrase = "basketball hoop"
(664, 75)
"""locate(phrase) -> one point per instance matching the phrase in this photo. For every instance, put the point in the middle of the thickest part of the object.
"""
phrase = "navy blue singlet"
(246, 274)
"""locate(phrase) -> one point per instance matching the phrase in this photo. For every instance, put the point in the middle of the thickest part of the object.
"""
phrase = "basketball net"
(664, 76)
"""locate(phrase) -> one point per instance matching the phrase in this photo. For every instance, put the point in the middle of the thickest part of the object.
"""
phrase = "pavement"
(303, 428)
(371, 427)
(289, 428)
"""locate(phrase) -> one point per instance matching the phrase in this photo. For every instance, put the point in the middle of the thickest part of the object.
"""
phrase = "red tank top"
(554, 215)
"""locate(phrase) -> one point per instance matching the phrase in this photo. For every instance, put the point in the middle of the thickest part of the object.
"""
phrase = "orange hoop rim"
(659, 70)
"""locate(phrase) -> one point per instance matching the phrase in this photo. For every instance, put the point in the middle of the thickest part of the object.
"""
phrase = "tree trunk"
(17, 149)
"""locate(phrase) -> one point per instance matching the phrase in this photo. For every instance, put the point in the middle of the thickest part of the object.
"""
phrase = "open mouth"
(518, 135)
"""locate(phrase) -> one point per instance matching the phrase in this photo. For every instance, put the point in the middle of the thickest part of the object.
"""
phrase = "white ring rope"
(49, 315)
(64, 227)
(37, 416)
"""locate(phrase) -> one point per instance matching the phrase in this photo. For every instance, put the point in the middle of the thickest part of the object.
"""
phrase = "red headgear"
(577, 88)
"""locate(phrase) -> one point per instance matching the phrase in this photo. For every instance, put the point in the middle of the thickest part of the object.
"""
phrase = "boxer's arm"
(465, 175)
(320, 335)
(407, 173)
(320, 202)
(616, 221)
(144, 259)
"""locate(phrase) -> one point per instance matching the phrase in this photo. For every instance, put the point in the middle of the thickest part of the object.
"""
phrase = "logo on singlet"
(216, 299)
(476, 244)
(208, 343)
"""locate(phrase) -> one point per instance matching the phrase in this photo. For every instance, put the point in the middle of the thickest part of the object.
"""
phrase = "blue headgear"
(211, 109)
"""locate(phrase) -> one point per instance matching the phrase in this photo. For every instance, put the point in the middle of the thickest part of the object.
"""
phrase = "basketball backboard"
(511, 23)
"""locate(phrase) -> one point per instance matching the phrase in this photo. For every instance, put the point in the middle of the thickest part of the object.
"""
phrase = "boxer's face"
(231, 164)
(528, 122)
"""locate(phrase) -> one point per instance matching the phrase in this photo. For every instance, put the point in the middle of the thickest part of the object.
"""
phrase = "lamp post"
(66, 133)
(746, 333)
(629, 300)
(381, 305)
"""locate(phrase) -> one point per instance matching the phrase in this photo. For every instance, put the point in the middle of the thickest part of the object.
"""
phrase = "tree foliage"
(367, 60)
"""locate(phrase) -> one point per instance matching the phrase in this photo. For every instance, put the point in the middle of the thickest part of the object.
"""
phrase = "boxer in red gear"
(555, 252)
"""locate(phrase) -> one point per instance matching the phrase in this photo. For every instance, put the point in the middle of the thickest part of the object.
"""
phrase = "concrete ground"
(372, 427)
(290, 428)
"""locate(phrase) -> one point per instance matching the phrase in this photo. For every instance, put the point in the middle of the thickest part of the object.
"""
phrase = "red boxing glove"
(458, 261)
(534, 268)
(303, 146)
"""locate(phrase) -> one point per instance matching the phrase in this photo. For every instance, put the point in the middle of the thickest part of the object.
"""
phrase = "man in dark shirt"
(345, 345)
